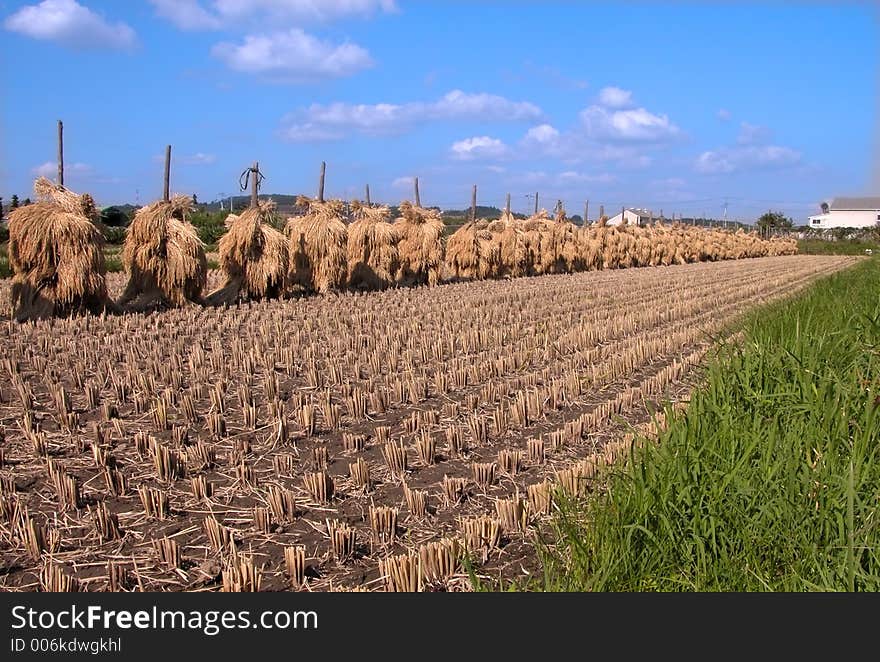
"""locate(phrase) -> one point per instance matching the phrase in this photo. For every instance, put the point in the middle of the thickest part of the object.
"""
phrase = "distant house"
(633, 217)
(848, 213)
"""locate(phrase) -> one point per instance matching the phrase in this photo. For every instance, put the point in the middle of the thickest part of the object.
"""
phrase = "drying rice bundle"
(318, 246)
(473, 252)
(253, 257)
(537, 229)
(55, 253)
(513, 252)
(372, 248)
(163, 256)
(420, 245)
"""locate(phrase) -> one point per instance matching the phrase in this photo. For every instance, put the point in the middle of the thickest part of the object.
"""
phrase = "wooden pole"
(474, 203)
(586, 213)
(507, 206)
(60, 153)
(622, 215)
(166, 191)
(416, 185)
(321, 182)
(255, 176)
(368, 195)
(601, 211)
(536, 203)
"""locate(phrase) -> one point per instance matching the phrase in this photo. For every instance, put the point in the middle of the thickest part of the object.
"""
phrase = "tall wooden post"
(474, 203)
(60, 153)
(166, 191)
(586, 213)
(368, 195)
(622, 215)
(321, 182)
(255, 181)
(416, 185)
(601, 211)
(507, 206)
(536, 203)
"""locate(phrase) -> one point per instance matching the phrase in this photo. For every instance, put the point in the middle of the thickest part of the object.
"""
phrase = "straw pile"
(318, 246)
(512, 248)
(164, 257)
(55, 253)
(373, 259)
(420, 245)
(474, 252)
(253, 257)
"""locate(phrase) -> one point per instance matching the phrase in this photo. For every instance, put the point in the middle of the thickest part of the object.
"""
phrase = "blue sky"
(678, 106)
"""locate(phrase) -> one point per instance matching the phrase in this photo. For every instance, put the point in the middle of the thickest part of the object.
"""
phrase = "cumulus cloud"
(403, 182)
(724, 115)
(632, 125)
(478, 147)
(292, 56)
(615, 97)
(213, 15)
(49, 170)
(69, 23)
(746, 157)
(336, 120)
(752, 134)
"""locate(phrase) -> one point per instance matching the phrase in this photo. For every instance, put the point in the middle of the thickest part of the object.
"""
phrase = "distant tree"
(26, 202)
(14, 203)
(195, 199)
(774, 221)
(1, 206)
(824, 207)
(114, 217)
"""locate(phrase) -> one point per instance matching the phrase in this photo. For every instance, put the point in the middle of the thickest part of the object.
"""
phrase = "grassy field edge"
(767, 481)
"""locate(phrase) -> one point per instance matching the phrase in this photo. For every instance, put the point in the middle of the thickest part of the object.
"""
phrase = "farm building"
(633, 217)
(848, 213)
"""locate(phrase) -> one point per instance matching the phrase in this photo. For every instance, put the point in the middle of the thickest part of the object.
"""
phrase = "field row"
(359, 440)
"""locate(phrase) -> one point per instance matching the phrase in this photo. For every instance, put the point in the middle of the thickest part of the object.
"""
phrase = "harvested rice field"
(342, 442)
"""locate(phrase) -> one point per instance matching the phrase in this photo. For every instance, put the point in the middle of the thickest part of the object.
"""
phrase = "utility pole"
(60, 153)
(536, 203)
(474, 204)
(166, 195)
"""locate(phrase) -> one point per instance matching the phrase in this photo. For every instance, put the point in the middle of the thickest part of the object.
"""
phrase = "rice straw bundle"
(163, 256)
(512, 248)
(372, 248)
(253, 257)
(420, 245)
(318, 246)
(55, 253)
(473, 252)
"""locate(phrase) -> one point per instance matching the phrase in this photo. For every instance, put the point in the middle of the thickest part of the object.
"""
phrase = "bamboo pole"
(166, 191)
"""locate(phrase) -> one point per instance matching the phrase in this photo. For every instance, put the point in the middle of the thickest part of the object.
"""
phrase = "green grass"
(770, 480)
(5, 271)
(842, 247)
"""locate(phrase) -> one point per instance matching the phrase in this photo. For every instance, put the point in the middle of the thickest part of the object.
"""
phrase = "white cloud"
(478, 147)
(187, 14)
(49, 170)
(293, 55)
(543, 134)
(615, 97)
(334, 121)
(68, 22)
(724, 115)
(573, 177)
(199, 158)
(750, 157)
(752, 134)
(496, 169)
(403, 182)
(213, 15)
(633, 125)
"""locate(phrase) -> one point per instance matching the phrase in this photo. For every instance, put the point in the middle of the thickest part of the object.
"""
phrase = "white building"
(848, 213)
(633, 217)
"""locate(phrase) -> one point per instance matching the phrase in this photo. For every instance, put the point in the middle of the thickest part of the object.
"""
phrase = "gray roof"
(856, 204)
